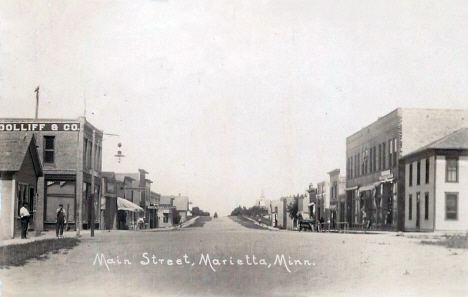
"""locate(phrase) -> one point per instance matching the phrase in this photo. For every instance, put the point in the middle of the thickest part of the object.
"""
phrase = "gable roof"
(14, 148)
(166, 200)
(457, 140)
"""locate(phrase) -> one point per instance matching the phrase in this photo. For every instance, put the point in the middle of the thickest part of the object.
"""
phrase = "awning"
(369, 187)
(124, 204)
(351, 188)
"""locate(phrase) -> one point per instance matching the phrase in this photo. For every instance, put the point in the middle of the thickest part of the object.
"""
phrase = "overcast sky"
(219, 99)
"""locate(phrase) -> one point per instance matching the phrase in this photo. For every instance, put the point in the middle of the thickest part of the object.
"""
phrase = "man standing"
(60, 221)
(24, 215)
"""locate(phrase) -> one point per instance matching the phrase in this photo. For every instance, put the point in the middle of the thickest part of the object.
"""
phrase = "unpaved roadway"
(340, 265)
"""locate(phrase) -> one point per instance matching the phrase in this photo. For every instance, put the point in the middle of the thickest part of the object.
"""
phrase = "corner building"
(71, 156)
(375, 174)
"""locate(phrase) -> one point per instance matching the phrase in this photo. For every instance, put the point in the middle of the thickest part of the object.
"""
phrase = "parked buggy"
(305, 222)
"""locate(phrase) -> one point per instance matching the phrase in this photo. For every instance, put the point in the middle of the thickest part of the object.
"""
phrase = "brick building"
(373, 158)
(69, 149)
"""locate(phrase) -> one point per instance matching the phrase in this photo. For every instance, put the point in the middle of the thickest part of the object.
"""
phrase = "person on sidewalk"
(24, 215)
(141, 223)
(60, 221)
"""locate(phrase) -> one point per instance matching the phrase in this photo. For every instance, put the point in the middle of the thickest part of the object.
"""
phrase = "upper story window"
(384, 153)
(390, 153)
(395, 152)
(427, 170)
(418, 173)
(49, 149)
(410, 175)
(379, 162)
(451, 169)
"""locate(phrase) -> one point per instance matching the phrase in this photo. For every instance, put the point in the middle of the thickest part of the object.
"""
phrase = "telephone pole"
(37, 101)
(93, 153)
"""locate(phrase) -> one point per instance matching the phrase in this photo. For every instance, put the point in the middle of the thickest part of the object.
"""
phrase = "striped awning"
(124, 204)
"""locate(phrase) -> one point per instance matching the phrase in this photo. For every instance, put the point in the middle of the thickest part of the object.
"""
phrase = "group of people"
(25, 216)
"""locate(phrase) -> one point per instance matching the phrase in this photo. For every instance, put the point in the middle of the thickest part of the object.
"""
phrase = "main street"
(340, 265)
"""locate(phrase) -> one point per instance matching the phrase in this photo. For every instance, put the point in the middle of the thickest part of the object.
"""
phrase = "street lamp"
(119, 152)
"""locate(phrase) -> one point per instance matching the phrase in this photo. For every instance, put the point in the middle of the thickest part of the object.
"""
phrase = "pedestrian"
(141, 222)
(60, 221)
(24, 216)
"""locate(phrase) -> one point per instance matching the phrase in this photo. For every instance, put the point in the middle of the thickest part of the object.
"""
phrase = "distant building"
(436, 185)
(136, 188)
(373, 158)
(323, 200)
(155, 199)
(69, 149)
(181, 204)
(338, 205)
(166, 211)
(20, 168)
(288, 222)
(312, 191)
(109, 201)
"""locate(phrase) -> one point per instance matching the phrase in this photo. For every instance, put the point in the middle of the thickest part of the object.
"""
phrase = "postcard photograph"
(233, 148)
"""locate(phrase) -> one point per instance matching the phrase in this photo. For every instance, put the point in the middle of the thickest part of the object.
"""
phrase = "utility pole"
(37, 101)
(93, 152)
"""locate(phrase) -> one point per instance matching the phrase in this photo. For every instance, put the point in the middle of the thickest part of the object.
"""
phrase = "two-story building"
(166, 210)
(436, 185)
(155, 199)
(322, 207)
(338, 205)
(373, 157)
(109, 201)
(70, 151)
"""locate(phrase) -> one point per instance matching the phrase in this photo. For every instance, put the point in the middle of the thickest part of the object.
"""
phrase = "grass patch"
(246, 222)
(19, 254)
(450, 241)
(200, 222)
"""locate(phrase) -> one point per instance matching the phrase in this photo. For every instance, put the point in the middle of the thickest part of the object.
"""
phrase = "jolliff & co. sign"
(37, 127)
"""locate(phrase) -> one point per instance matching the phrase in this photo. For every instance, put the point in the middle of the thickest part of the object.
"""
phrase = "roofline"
(428, 148)
(378, 119)
(334, 170)
(80, 119)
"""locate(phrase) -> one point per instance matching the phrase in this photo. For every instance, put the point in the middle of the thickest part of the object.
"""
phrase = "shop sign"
(37, 127)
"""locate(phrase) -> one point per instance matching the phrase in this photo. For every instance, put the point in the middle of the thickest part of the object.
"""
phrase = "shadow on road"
(246, 222)
(200, 222)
